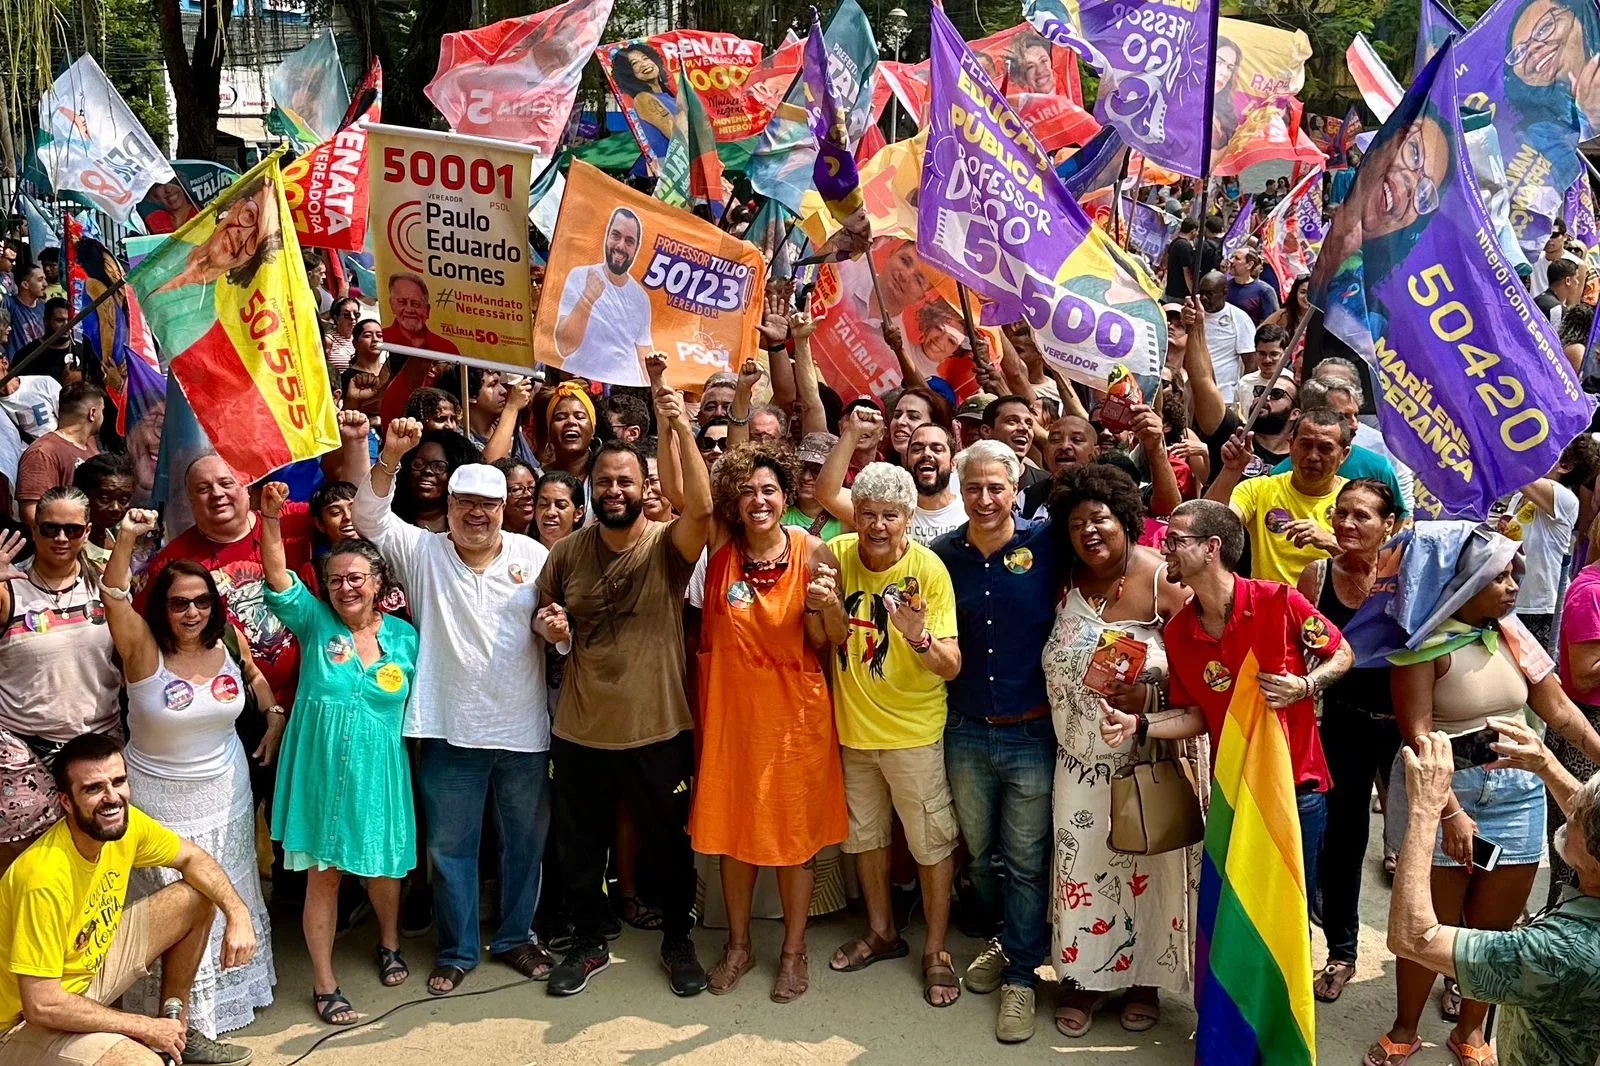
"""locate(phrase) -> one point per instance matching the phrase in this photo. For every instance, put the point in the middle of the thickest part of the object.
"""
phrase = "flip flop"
(1384, 1052)
(1329, 985)
(454, 974)
(863, 951)
(1471, 1054)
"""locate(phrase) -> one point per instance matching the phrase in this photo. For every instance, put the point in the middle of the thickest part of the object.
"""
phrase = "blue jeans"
(455, 786)
(1313, 808)
(1001, 777)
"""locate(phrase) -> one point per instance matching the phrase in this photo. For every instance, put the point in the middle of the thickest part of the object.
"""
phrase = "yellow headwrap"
(564, 390)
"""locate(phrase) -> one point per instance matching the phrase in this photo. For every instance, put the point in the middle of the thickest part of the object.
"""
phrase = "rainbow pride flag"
(1254, 991)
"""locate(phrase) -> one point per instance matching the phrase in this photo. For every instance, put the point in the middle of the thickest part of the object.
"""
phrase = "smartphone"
(1473, 749)
(1485, 854)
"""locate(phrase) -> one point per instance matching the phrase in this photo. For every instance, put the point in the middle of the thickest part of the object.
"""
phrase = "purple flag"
(1476, 394)
(834, 172)
(1148, 228)
(1526, 62)
(994, 215)
(1435, 24)
(1241, 227)
(1155, 60)
(1578, 211)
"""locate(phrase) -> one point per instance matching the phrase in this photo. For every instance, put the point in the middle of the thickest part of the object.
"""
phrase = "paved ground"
(874, 1017)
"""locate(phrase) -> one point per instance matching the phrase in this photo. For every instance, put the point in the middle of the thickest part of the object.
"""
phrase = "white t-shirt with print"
(929, 525)
(34, 406)
(619, 326)
(1229, 335)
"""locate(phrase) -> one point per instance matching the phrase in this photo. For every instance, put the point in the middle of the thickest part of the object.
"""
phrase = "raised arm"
(1013, 369)
(1209, 406)
(813, 416)
(861, 424)
(739, 413)
(693, 525)
(355, 453)
(571, 326)
(1235, 461)
(911, 375)
(773, 331)
(1164, 493)
(274, 561)
(503, 437)
(398, 540)
(130, 634)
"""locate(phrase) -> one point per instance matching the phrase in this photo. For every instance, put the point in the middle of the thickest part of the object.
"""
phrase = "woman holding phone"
(1477, 661)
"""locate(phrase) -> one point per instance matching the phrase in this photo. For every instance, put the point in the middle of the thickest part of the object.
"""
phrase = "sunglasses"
(708, 444)
(1275, 394)
(181, 604)
(70, 530)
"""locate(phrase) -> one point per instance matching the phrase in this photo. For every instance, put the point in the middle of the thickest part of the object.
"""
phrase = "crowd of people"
(608, 653)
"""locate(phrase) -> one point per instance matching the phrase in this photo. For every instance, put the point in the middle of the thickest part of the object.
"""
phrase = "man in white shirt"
(603, 322)
(31, 401)
(929, 457)
(479, 702)
(1230, 335)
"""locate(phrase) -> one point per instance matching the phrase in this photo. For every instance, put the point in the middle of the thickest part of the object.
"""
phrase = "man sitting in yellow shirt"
(1289, 516)
(68, 948)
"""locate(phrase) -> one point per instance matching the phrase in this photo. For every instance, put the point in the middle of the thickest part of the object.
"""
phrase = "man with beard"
(603, 322)
(476, 610)
(622, 726)
(1289, 516)
(1216, 422)
(1071, 443)
(1000, 745)
(928, 458)
(68, 947)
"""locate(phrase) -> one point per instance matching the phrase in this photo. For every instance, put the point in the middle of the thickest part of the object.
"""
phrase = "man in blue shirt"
(1246, 290)
(999, 740)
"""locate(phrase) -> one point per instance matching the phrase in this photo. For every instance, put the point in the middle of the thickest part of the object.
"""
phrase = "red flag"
(327, 187)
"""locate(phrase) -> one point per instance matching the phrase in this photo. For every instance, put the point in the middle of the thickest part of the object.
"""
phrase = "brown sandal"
(937, 974)
(724, 976)
(863, 951)
(1074, 1017)
(793, 977)
(1329, 985)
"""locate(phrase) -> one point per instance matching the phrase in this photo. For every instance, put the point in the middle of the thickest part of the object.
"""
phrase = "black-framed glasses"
(713, 444)
(70, 530)
(437, 467)
(181, 604)
(1173, 541)
(353, 582)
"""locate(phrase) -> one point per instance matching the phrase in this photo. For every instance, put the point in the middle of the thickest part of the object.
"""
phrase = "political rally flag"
(643, 74)
(1293, 233)
(834, 174)
(1475, 392)
(328, 187)
(1155, 61)
(994, 215)
(309, 94)
(782, 166)
(1577, 211)
(1435, 24)
(90, 143)
(228, 300)
(647, 278)
(691, 172)
(1378, 85)
(1240, 228)
(516, 79)
(116, 334)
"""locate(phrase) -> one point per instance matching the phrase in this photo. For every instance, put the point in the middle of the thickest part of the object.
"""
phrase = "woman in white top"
(186, 766)
(341, 339)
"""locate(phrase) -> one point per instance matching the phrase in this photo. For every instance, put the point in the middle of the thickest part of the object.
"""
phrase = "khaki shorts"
(127, 961)
(910, 781)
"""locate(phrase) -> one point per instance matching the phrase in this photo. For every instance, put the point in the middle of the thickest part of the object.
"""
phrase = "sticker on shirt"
(224, 689)
(37, 621)
(741, 595)
(339, 650)
(1019, 561)
(390, 677)
(1314, 633)
(518, 574)
(177, 695)
(1278, 520)
(1256, 467)
(1217, 677)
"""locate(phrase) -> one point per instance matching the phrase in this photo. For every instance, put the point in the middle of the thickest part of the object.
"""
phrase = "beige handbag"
(1155, 807)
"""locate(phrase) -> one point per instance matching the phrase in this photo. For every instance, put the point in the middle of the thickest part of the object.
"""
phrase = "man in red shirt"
(226, 540)
(1209, 639)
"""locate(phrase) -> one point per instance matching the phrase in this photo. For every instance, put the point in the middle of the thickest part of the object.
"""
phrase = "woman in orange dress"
(770, 787)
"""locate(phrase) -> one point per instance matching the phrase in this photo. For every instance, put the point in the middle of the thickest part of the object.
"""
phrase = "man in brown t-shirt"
(50, 460)
(622, 725)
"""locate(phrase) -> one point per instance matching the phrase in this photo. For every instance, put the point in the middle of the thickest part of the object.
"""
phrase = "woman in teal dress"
(343, 803)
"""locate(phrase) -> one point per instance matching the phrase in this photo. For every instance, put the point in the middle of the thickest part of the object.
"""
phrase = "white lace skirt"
(218, 814)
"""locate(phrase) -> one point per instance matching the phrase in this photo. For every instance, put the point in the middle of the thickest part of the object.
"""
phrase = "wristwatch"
(921, 646)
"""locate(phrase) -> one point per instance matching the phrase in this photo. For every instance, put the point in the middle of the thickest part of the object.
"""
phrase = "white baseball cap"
(478, 479)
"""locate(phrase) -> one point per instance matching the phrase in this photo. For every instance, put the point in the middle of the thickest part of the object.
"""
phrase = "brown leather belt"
(1033, 715)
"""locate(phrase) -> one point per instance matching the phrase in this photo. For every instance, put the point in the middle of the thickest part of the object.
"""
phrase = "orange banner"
(629, 275)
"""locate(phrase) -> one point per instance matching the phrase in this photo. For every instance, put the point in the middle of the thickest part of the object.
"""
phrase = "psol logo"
(404, 236)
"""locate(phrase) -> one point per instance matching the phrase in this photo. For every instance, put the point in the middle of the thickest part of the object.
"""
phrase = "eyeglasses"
(181, 604)
(353, 582)
(1425, 193)
(519, 490)
(1275, 394)
(1173, 541)
(437, 467)
(479, 506)
(713, 444)
(70, 530)
(1543, 30)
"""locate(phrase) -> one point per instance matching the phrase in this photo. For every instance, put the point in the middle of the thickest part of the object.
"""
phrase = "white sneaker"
(983, 976)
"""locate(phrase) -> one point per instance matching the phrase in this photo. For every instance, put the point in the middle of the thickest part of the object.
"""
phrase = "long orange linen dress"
(770, 788)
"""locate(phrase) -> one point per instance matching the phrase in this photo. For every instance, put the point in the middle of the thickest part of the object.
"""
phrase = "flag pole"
(1260, 403)
(1133, 200)
(1209, 117)
(966, 317)
(876, 291)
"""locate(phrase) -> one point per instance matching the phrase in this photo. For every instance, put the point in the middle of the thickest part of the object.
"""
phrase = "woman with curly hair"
(420, 489)
(770, 788)
(1113, 590)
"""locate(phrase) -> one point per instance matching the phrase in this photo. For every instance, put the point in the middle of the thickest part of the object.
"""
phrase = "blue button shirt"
(1005, 606)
